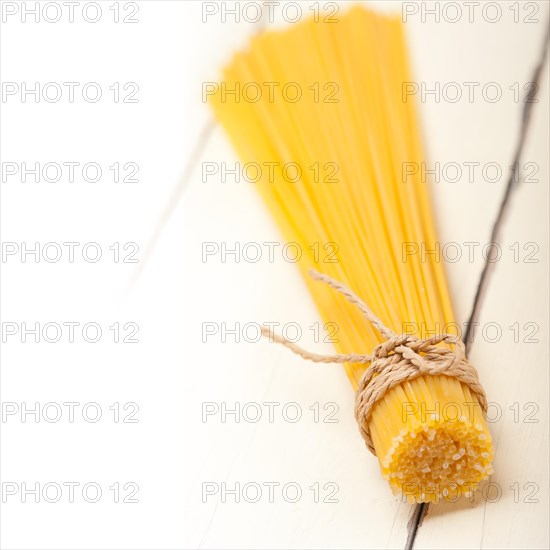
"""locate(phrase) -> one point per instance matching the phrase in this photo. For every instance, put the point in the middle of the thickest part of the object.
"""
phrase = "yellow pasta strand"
(330, 168)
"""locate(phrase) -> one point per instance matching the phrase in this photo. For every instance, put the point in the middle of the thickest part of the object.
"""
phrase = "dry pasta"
(318, 108)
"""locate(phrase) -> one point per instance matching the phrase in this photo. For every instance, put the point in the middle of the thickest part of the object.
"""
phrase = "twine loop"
(400, 358)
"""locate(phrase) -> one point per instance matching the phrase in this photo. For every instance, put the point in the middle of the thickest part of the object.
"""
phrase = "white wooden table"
(189, 452)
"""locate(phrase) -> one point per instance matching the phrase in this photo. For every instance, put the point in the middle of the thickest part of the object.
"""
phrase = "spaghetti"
(317, 111)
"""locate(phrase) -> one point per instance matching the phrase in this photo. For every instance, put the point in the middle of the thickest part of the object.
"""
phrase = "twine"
(400, 358)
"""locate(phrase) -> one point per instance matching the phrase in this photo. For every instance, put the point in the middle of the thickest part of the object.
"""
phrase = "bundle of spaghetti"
(317, 115)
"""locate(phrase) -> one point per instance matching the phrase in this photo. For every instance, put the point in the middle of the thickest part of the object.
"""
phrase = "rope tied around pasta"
(401, 357)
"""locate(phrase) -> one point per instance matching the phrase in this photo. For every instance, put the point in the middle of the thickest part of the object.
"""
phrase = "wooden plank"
(305, 452)
(512, 510)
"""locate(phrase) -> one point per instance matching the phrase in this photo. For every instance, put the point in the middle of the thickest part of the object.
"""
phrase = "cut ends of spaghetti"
(440, 458)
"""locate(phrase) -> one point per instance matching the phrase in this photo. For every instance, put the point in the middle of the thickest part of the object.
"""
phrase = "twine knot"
(401, 357)
(405, 357)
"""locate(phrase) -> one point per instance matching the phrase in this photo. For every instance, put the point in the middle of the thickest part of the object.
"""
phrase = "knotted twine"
(400, 358)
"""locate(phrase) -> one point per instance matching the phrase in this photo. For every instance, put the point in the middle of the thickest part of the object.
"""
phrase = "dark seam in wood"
(420, 510)
(511, 186)
(418, 515)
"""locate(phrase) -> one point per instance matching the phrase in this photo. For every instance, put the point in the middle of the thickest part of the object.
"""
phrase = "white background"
(170, 452)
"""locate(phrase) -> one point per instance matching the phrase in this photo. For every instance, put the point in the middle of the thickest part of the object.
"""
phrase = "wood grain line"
(177, 192)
